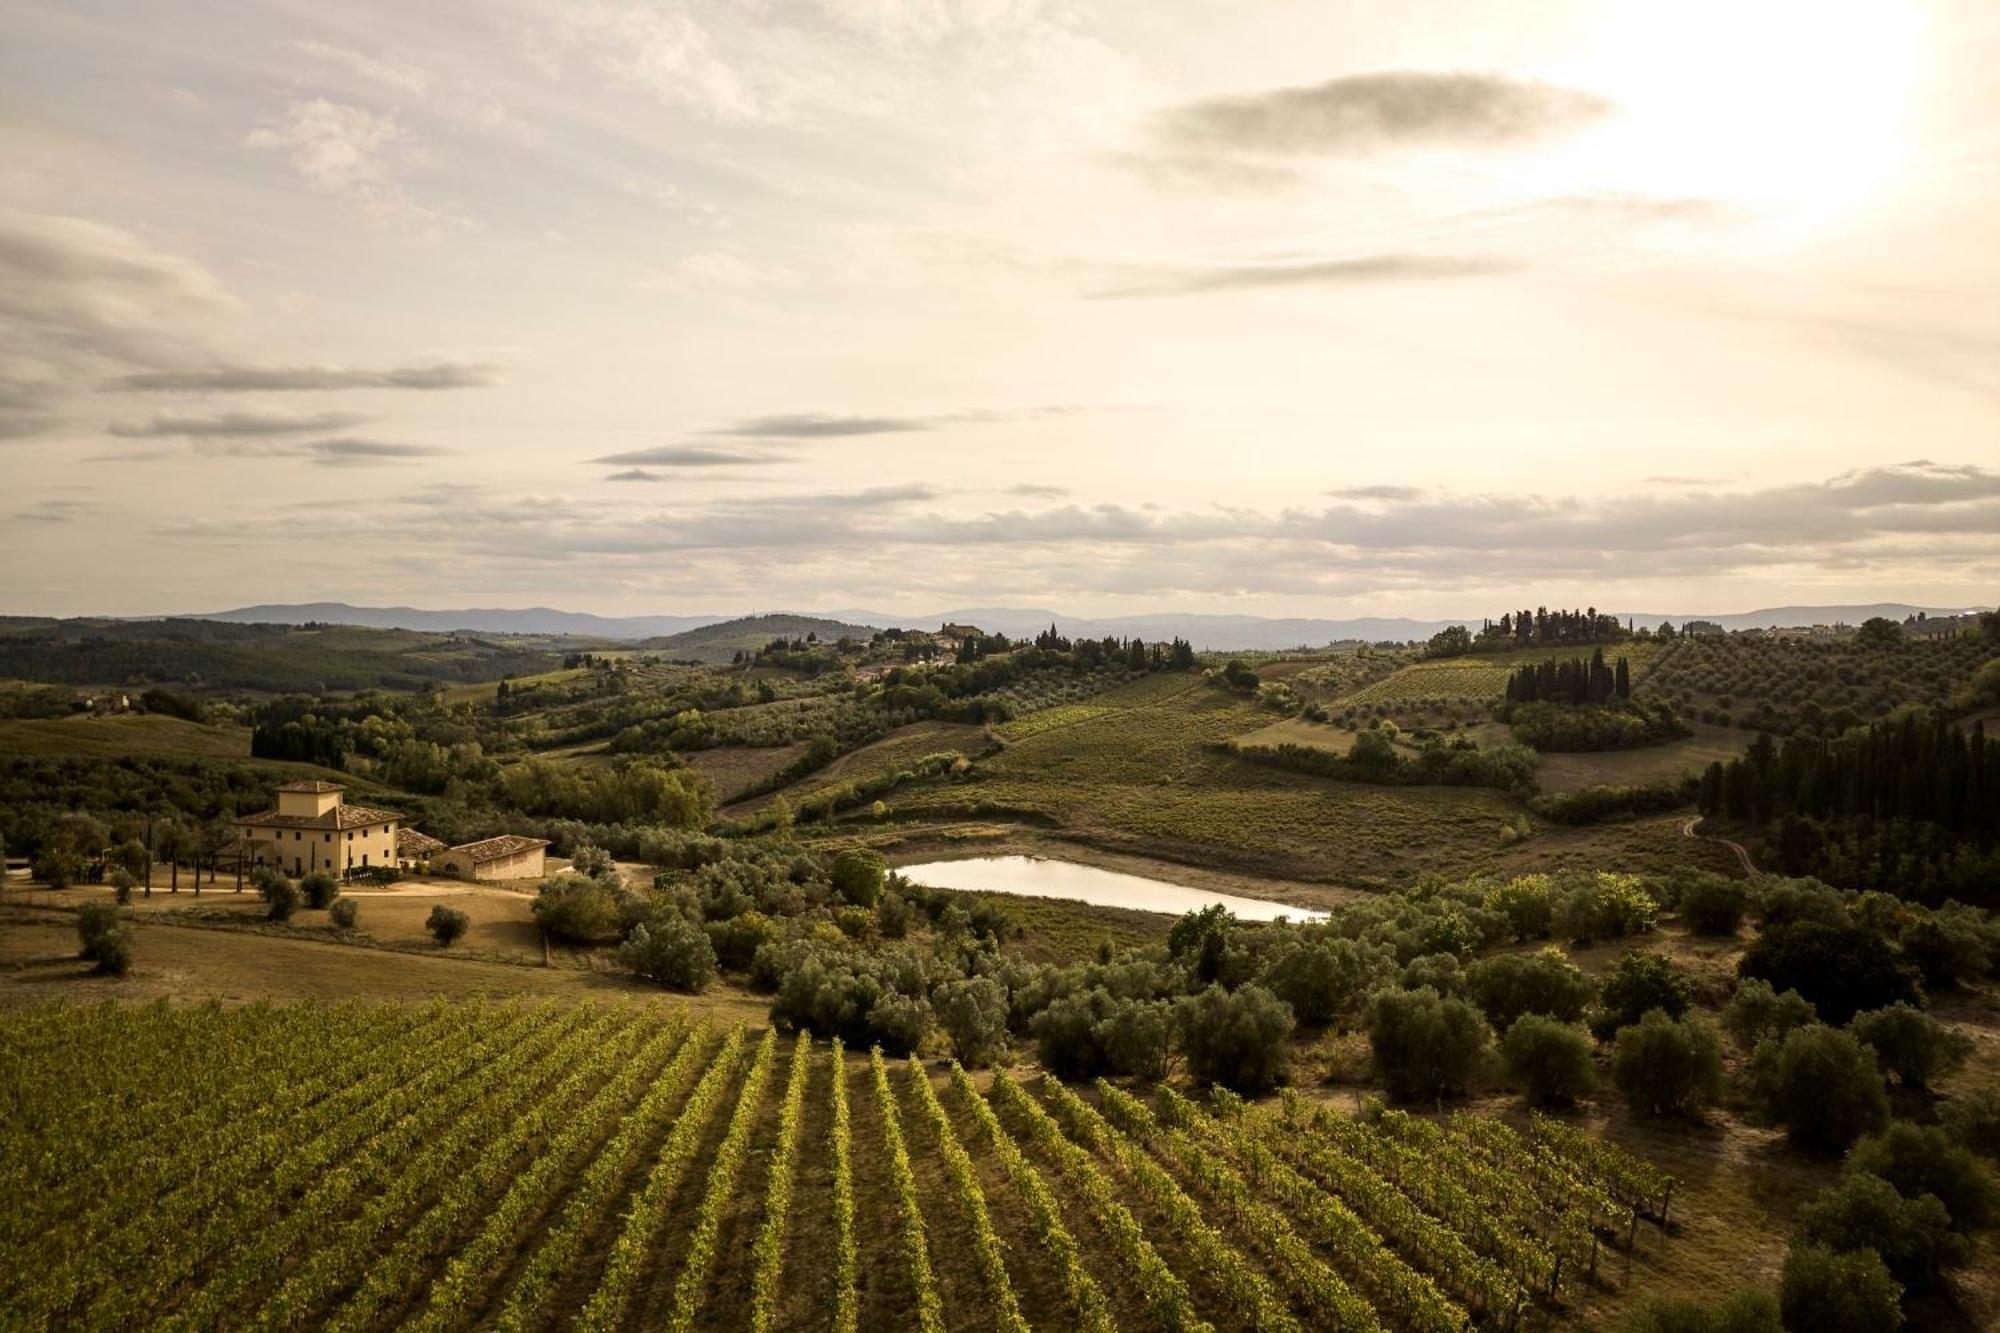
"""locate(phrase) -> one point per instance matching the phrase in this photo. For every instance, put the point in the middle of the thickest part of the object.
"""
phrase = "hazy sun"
(1796, 109)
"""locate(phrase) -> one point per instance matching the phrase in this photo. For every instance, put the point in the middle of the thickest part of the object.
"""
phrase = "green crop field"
(532, 1165)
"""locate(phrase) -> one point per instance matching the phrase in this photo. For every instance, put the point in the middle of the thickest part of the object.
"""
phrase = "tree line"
(1572, 680)
(1916, 767)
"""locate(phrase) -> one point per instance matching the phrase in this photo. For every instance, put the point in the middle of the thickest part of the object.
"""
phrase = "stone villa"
(313, 828)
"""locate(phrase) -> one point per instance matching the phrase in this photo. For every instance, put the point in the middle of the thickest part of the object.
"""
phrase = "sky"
(1294, 308)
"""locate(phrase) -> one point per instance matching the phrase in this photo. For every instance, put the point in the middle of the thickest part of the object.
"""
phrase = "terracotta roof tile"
(492, 849)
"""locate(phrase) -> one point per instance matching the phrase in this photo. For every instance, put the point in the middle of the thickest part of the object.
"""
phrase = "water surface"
(1039, 877)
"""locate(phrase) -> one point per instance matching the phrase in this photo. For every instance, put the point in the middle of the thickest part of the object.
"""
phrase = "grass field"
(122, 735)
(581, 1166)
(736, 768)
(1667, 763)
(898, 749)
(1482, 678)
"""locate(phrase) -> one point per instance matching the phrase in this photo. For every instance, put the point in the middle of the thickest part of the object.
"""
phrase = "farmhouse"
(313, 828)
(509, 856)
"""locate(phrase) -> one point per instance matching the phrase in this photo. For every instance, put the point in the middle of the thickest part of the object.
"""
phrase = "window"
(328, 837)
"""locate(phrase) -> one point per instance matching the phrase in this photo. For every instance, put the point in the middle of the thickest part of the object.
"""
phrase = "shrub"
(973, 1013)
(1973, 1121)
(1066, 1035)
(1922, 1159)
(1714, 904)
(1948, 947)
(121, 881)
(1822, 1085)
(1825, 1292)
(1527, 902)
(114, 953)
(1426, 1044)
(1442, 972)
(592, 861)
(858, 875)
(1137, 1038)
(281, 897)
(1864, 1212)
(1549, 1060)
(1756, 1011)
(1510, 985)
(1748, 1311)
(97, 923)
(1235, 1038)
(1640, 982)
(344, 912)
(319, 889)
(1665, 1066)
(1910, 1044)
(670, 949)
(1842, 969)
(893, 915)
(737, 940)
(580, 910)
(1605, 906)
(447, 924)
(1325, 980)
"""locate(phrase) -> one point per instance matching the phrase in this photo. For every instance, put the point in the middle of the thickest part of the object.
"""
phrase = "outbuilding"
(509, 856)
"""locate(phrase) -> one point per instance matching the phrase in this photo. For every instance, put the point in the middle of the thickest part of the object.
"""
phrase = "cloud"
(229, 425)
(334, 147)
(391, 74)
(816, 426)
(79, 300)
(1884, 522)
(828, 426)
(1363, 113)
(688, 455)
(346, 451)
(1354, 271)
(635, 474)
(1375, 493)
(1036, 491)
(55, 511)
(263, 379)
(351, 153)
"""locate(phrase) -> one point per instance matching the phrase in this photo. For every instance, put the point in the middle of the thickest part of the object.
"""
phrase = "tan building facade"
(509, 856)
(313, 828)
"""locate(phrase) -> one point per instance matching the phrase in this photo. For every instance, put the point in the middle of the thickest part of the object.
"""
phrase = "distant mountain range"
(1206, 632)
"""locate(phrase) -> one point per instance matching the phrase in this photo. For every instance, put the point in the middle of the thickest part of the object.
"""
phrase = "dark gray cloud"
(635, 474)
(257, 379)
(26, 408)
(347, 451)
(817, 426)
(688, 455)
(1353, 271)
(232, 425)
(1365, 112)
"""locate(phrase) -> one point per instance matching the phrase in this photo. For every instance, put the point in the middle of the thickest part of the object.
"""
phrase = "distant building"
(1701, 627)
(313, 829)
(415, 850)
(509, 856)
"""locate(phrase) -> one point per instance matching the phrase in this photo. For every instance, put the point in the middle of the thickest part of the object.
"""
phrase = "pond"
(1039, 877)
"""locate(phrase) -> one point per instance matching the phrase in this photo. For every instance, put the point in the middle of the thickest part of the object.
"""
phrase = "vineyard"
(528, 1166)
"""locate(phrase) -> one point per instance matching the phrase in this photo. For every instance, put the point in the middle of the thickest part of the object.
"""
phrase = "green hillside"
(721, 642)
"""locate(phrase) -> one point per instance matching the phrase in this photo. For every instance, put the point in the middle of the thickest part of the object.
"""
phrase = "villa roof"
(493, 849)
(312, 785)
(409, 842)
(340, 817)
